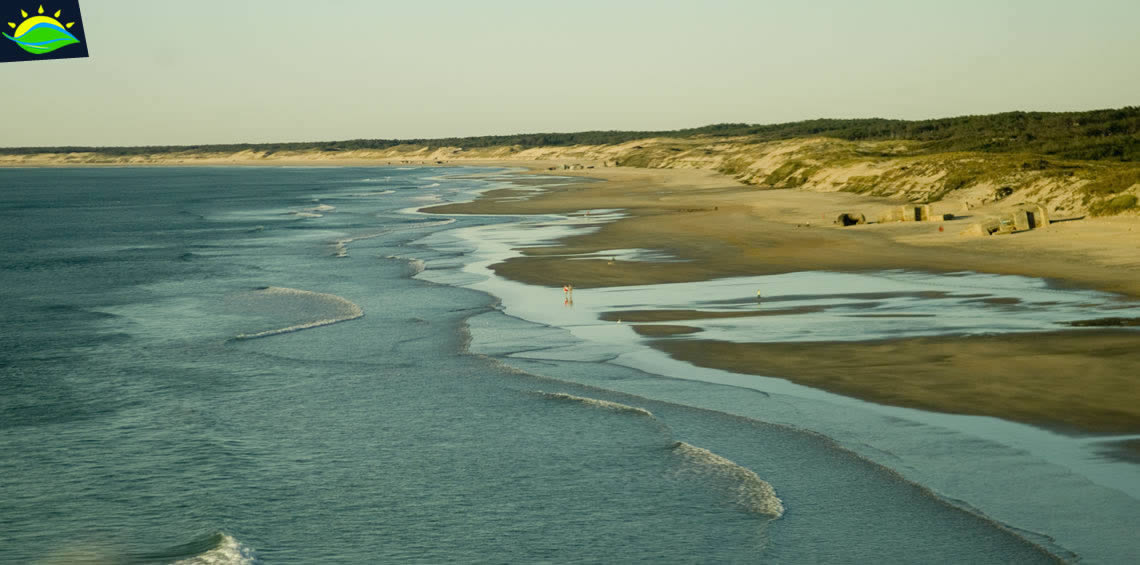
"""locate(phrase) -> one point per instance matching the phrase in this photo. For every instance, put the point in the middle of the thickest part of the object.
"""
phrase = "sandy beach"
(718, 227)
(825, 282)
(1062, 379)
(722, 228)
(884, 393)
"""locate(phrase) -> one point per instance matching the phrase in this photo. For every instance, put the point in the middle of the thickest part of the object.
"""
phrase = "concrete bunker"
(908, 213)
(1023, 217)
(915, 213)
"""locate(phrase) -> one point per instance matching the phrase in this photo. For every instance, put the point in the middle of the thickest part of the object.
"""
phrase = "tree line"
(1112, 134)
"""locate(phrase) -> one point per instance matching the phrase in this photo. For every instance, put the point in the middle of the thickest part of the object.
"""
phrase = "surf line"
(340, 246)
(753, 493)
(346, 310)
(596, 403)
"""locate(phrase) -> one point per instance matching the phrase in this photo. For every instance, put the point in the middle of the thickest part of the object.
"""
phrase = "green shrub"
(959, 179)
(955, 179)
(860, 185)
(801, 178)
(1112, 183)
(1106, 135)
(735, 167)
(641, 159)
(1120, 203)
(784, 171)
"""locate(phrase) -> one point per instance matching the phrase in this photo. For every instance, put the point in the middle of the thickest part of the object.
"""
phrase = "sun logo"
(41, 34)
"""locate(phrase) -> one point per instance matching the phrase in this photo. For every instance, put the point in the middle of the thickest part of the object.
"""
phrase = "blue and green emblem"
(39, 32)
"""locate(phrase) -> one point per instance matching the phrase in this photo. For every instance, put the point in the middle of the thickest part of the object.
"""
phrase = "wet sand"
(722, 228)
(1070, 381)
(717, 227)
(1076, 381)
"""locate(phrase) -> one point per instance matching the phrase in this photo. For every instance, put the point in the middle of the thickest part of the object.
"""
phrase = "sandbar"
(1075, 381)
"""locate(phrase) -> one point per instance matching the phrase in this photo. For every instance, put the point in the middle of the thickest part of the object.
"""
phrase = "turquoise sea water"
(449, 423)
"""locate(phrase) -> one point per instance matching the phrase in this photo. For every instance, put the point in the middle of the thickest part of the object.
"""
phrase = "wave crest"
(340, 246)
(343, 310)
(605, 404)
(752, 492)
(226, 551)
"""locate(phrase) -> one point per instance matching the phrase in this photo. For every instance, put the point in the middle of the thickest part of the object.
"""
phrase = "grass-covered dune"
(1074, 162)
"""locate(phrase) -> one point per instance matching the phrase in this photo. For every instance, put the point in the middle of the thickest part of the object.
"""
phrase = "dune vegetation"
(1072, 162)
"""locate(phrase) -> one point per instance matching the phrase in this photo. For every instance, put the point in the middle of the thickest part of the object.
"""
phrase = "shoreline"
(775, 231)
(718, 227)
(936, 450)
(1034, 382)
(716, 233)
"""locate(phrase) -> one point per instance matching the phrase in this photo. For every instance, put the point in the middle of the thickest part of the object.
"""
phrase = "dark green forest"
(1094, 135)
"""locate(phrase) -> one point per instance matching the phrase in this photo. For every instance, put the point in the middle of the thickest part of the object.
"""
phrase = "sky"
(165, 72)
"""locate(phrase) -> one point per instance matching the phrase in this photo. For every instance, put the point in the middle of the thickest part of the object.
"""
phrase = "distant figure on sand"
(758, 296)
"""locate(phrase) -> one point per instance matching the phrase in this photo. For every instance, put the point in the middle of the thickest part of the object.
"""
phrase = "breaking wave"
(430, 224)
(752, 492)
(216, 548)
(342, 310)
(225, 550)
(340, 246)
(604, 404)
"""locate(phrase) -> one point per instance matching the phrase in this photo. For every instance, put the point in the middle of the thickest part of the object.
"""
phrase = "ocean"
(294, 365)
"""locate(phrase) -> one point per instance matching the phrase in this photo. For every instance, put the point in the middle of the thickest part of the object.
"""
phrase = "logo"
(38, 33)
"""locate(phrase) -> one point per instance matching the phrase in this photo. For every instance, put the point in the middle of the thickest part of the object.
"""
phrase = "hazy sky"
(213, 71)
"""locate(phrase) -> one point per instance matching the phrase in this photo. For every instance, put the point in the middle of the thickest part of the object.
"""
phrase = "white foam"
(605, 404)
(340, 246)
(344, 311)
(752, 492)
(228, 552)
(435, 224)
(1026, 477)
